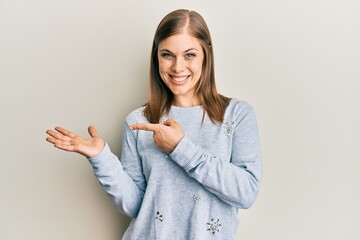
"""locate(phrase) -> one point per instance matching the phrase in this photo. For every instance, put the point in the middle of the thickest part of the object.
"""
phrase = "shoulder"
(238, 107)
(239, 110)
(137, 116)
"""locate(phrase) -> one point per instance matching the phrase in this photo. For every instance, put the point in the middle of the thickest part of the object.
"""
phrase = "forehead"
(180, 42)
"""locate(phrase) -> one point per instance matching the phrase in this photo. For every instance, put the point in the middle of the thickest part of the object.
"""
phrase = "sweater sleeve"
(237, 181)
(122, 180)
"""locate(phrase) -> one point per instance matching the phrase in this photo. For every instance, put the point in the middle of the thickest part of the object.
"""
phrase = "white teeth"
(180, 79)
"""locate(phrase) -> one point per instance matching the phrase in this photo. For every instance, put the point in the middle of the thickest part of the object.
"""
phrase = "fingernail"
(131, 128)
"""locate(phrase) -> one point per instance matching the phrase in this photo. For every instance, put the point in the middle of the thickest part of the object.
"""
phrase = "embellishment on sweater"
(159, 216)
(213, 227)
(196, 198)
(228, 128)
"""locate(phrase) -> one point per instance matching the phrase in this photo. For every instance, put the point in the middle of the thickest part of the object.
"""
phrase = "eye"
(167, 55)
(190, 55)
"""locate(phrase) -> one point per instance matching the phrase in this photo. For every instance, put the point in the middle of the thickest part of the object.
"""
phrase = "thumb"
(170, 122)
(92, 131)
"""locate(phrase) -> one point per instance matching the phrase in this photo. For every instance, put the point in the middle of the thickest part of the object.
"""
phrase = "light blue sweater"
(195, 191)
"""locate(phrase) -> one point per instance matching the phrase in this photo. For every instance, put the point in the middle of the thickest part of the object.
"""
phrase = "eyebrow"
(166, 50)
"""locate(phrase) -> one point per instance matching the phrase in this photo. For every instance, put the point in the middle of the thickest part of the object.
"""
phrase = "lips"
(179, 80)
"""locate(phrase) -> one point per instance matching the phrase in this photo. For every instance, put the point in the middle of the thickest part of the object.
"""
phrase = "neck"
(186, 102)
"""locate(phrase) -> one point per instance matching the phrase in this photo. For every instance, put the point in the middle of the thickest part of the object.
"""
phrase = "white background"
(75, 63)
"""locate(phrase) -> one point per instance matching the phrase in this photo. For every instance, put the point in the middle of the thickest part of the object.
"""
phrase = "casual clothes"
(195, 191)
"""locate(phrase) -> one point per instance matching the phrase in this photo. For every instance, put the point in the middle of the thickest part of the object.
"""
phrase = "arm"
(125, 189)
(123, 181)
(235, 182)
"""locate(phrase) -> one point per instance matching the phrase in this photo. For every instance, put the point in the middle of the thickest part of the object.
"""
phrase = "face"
(180, 64)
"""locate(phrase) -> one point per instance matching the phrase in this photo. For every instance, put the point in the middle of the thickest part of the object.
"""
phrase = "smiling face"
(180, 64)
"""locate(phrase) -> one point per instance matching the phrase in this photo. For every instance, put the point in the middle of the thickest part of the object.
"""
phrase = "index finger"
(65, 132)
(144, 126)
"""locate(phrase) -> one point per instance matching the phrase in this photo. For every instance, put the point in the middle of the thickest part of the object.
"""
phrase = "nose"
(178, 65)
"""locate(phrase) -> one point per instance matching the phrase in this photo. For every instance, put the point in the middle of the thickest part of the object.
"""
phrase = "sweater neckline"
(182, 110)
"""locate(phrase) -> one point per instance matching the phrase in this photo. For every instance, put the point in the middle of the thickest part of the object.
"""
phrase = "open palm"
(69, 141)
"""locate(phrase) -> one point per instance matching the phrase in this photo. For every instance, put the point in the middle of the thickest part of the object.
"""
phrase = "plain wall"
(76, 63)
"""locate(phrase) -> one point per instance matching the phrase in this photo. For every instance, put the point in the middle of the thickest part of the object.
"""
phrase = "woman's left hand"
(166, 136)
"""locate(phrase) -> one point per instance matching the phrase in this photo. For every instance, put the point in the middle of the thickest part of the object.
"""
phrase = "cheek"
(163, 70)
(164, 66)
(161, 65)
(196, 67)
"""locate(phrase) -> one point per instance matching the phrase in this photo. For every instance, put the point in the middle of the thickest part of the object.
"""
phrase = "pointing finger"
(145, 126)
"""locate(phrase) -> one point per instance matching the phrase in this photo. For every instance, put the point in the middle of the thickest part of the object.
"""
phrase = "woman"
(190, 157)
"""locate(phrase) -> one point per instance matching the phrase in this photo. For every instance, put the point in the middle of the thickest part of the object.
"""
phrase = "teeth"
(179, 79)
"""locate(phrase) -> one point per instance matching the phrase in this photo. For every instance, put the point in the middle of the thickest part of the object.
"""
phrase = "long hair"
(160, 96)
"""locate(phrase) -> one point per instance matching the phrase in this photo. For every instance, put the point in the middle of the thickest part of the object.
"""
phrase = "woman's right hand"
(69, 141)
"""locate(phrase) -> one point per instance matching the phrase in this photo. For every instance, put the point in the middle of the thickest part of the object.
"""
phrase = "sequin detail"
(196, 198)
(159, 216)
(213, 227)
(228, 128)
